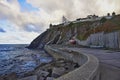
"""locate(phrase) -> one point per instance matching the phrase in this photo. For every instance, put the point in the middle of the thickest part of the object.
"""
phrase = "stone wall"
(107, 40)
(89, 69)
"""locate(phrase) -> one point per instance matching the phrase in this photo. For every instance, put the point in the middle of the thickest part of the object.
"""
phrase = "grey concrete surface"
(109, 62)
(104, 56)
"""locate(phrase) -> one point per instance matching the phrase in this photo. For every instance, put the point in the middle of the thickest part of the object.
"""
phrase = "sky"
(23, 20)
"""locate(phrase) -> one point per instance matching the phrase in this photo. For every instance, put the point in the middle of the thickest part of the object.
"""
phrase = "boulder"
(56, 72)
(42, 73)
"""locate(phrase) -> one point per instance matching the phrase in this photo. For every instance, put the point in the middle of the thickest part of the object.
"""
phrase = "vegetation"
(103, 20)
(107, 26)
(84, 29)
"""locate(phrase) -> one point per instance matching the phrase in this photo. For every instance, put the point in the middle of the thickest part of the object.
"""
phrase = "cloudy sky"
(23, 20)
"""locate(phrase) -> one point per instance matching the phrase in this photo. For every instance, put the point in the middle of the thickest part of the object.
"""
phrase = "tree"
(71, 24)
(50, 25)
(108, 14)
(113, 14)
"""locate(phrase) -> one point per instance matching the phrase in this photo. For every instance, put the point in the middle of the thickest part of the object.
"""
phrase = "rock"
(39, 41)
(58, 64)
(76, 65)
(1, 78)
(34, 77)
(55, 75)
(41, 78)
(60, 61)
(11, 76)
(61, 65)
(70, 66)
(50, 72)
(58, 71)
(50, 78)
(42, 73)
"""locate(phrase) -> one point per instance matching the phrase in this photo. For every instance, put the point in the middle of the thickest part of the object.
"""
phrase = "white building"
(65, 21)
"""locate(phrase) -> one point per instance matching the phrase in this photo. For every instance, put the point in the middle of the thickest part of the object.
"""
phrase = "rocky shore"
(49, 71)
(55, 69)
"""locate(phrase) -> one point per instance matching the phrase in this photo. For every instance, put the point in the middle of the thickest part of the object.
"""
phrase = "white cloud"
(13, 35)
(12, 12)
(77, 8)
(49, 11)
(17, 37)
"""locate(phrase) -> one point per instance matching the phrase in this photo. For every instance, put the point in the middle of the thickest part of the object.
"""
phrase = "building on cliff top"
(65, 21)
(94, 17)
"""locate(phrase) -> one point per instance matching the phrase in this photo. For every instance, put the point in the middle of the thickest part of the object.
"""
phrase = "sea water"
(16, 58)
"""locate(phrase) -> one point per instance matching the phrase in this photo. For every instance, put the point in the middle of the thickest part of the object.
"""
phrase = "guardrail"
(89, 69)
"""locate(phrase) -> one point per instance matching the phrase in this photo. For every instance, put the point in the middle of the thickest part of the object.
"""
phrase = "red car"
(72, 41)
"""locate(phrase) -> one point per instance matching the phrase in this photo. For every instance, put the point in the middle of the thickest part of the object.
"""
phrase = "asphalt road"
(104, 56)
(109, 62)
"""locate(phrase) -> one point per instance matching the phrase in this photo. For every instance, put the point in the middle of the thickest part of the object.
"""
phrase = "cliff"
(82, 31)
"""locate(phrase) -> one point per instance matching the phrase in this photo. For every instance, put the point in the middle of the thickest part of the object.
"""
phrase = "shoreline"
(47, 69)
(21, 59)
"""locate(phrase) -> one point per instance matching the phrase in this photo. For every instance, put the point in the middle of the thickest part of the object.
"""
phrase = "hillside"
(61, 34)
(107, 27)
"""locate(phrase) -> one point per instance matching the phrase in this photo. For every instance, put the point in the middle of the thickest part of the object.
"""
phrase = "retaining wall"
(107, 40)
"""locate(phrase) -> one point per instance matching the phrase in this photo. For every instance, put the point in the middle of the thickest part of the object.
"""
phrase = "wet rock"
(34, 77)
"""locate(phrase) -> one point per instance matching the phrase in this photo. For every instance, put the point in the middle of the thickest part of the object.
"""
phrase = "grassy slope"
(109, 26)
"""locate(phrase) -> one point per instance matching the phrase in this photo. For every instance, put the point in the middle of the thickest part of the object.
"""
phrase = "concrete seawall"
(89, 69)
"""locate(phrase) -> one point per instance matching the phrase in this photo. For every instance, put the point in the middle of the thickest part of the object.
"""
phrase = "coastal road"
(109, 62)
(104, 56)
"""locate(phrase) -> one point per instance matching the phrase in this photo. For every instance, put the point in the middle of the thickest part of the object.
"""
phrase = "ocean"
(20, 60)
